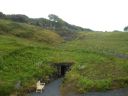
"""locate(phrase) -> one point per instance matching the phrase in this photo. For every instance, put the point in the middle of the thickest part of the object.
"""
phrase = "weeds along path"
(52, 89)
(117, 92)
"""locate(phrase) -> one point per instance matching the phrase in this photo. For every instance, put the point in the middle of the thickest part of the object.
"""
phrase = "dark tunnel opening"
(62, 68)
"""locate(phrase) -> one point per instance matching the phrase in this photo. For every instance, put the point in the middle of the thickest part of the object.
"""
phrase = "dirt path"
(52, 89)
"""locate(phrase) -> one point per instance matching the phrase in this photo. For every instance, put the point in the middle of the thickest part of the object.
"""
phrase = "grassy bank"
(101, 62)
(27, 53)
(23, 55)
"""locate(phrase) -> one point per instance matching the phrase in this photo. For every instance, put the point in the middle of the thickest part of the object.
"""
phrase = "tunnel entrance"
(62, 68)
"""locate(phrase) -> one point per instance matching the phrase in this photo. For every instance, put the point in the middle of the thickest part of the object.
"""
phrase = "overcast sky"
(95, 14)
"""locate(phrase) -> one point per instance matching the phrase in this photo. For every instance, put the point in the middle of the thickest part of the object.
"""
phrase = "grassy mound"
(99, 65)
(21, 60)
(27, 54)
(23, 55)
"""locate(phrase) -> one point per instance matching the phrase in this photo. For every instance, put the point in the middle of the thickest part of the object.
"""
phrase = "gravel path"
(52, 89)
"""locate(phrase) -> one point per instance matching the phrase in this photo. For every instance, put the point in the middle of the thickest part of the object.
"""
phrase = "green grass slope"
(21, 60)
(23, 50)
(30, 32)
(101, 62)
(109, 43)
(27, 52)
